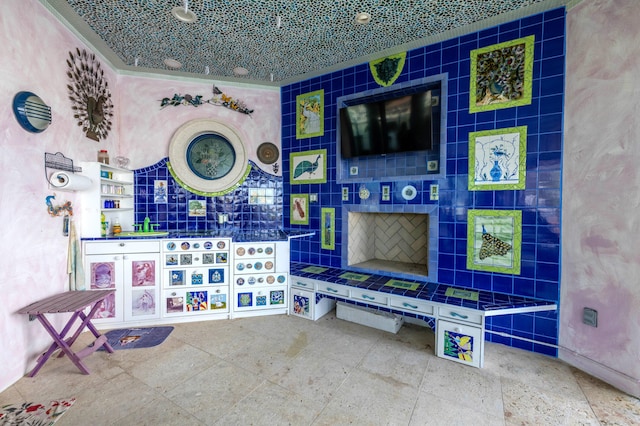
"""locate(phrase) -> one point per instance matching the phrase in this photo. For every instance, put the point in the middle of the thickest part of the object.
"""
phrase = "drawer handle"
(455, 314)
(408, 305)
(301, 284)
(332, 289)
(364, 296)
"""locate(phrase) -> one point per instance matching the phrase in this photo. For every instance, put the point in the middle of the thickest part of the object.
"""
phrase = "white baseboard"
(615, 378)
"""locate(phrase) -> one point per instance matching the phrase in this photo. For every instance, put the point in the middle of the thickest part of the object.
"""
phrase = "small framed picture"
(299, 209)
(328, 228)
(501, 75)
(497, 159)
(345, 193)
(308, 166)
(310, 114)
(494, 240)
(197, 208)
(386, 192)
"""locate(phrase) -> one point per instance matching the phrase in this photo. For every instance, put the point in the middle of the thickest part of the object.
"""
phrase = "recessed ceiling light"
(363, 18)
(184, 14)
(240, 71)
(172, 63)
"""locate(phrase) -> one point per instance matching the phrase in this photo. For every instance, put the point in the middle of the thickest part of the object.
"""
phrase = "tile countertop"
(490, 302)
(235, 235)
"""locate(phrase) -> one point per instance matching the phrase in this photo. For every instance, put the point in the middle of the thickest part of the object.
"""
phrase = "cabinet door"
(103, 272)
(141, 276)
(257, 298)
(302, 303)
(460, 342)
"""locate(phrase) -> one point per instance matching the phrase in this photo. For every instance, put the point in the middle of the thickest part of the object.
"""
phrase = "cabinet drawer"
(458, 314)
(206, 300)
(299, 282)
(254, 251)
(411, 305)
(333, 289)
(128, 246)
(369, 296)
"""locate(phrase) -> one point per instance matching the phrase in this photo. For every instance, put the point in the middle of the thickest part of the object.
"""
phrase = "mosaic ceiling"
(276, 41)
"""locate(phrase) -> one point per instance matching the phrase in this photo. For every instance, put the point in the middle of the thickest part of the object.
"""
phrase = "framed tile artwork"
(501, 75)
(328, 228)
(310, 114)
(308, 166)
(494, 240)
(497, 159)
(197, 208)
(299, 209)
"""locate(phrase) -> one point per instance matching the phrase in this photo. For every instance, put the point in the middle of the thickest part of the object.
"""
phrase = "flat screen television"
(400, 122)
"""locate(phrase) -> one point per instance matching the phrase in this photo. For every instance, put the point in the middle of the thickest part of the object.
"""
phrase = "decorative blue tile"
(543, 118)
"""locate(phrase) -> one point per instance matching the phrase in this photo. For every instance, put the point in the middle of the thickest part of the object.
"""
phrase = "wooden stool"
(70, 301)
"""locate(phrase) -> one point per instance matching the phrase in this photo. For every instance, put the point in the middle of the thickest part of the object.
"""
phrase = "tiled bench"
(457, 315)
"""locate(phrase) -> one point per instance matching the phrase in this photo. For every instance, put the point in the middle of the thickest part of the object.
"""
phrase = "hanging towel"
(74, 261)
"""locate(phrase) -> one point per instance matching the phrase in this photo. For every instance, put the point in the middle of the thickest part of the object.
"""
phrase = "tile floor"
(281, 370)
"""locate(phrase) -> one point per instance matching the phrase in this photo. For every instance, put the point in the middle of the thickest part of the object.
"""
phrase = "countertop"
(490, 302)
(234, 235)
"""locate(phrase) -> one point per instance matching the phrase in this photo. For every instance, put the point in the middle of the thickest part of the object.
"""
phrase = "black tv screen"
(402, 123)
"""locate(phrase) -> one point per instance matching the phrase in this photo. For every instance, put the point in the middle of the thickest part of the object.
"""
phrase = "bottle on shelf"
(103, 223)
(103, 156)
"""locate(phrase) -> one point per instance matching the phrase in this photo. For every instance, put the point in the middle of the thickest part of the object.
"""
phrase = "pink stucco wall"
(601, 187)
(34, 47)
(145, 129)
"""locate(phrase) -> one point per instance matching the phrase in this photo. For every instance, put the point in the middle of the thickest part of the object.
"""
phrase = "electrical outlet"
(313, 198)
(353, 170)
(432, 165)
(590, 317)
(434, 192)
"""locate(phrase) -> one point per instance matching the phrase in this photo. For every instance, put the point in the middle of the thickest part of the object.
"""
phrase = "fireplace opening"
(390, 242)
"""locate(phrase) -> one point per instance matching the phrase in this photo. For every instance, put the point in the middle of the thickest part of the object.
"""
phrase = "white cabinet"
(111, 193)
(260, 293)
(132, 268)
(305, 303)
(260, 280)
(195, 278)
(460, 342)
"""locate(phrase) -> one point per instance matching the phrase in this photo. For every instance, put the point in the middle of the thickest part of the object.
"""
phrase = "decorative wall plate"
(409, 192)
(90, 95)
(31, 112)
(207, 156)
(364, 193)
(268, 153)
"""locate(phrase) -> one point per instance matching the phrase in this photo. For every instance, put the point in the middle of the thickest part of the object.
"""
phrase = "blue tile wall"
(173, 215)
(540, 202)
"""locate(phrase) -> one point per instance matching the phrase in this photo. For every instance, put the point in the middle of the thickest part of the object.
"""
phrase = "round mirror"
(207, 157)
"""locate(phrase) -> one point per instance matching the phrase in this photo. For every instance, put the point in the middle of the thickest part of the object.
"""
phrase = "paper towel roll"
(69, 181)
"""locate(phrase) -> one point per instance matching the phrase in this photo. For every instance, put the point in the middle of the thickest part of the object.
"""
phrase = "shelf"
(116, 181)
(116, 196)
(113, 168)
(117, 187)
(121, 209)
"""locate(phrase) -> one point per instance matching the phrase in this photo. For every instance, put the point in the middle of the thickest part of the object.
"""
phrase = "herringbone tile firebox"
(389, 241)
